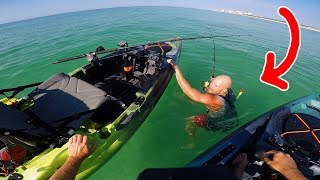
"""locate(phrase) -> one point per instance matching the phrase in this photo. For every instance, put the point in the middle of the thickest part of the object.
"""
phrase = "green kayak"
(108, 100)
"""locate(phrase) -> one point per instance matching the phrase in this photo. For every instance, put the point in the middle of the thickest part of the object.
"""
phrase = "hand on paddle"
(284, 164)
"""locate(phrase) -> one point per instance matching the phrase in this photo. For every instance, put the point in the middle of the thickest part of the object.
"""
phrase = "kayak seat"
(12, 118)
(58, 97)
(61, 96)
(12, 124)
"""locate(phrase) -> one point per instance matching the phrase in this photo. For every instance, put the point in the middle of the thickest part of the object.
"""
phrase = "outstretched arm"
(78, 150)
(192, 93)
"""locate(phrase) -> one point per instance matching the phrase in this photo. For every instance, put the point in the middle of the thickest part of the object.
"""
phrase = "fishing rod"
(21, 88)
(124, 48)
(207, 37)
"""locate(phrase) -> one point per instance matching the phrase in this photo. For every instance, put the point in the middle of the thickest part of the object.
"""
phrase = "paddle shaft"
(20, 88)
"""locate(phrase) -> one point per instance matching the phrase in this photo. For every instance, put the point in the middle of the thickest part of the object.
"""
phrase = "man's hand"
(78, 150)
(78, 147)
(172, 63)
(284, 164)
(281, 161)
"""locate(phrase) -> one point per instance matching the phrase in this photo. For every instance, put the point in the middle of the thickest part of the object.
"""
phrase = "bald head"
(220, 85)
(223, 81)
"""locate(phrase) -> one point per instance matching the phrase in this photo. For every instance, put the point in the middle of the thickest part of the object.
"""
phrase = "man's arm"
(284, 164)
(78, 150)
(68, 170)
(192, 93)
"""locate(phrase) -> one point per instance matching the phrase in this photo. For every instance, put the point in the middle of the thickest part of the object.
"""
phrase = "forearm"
(293, 174)
(184, 85)
(68, 170)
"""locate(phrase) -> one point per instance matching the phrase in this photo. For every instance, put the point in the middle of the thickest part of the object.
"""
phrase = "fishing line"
(246, 49)
(213, 51)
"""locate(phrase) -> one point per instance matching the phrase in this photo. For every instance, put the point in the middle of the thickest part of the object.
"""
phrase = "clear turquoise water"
(28, 47)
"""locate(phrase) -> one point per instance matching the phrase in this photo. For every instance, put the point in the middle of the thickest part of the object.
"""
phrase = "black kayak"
(293, 128)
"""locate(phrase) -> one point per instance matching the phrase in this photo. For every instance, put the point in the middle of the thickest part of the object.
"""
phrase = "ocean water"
(28, 47)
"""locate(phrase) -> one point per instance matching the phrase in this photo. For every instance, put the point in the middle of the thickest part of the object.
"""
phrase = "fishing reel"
(122, 44)
(92, 58)
(100, 48)
(204, 85)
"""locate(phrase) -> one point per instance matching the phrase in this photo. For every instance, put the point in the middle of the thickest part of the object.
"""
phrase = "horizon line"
(212, 10)
(37, 17)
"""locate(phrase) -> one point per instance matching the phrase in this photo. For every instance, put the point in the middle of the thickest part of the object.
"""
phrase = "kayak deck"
(130, 98)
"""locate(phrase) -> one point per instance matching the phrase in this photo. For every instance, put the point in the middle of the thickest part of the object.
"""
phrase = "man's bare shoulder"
(213, 100)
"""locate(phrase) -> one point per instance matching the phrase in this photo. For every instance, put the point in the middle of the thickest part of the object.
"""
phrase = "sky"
(306, 11)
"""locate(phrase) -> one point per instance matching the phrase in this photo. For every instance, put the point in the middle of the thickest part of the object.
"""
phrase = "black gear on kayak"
(302, 131)
(100, 48)
(296, 134)
(161, 48)
(298, 131)
(292, 128)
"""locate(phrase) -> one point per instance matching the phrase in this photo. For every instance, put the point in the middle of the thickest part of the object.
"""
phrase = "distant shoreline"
(272, 20)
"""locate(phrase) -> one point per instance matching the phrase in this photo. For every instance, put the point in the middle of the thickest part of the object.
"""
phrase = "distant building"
(247, 14)
(238, 12)
(235, 12)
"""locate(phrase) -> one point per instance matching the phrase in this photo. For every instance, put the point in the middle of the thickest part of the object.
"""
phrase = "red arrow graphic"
(271, 75)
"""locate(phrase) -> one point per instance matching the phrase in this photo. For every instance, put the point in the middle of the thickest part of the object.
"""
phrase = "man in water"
(218, 98)
(216, 90)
